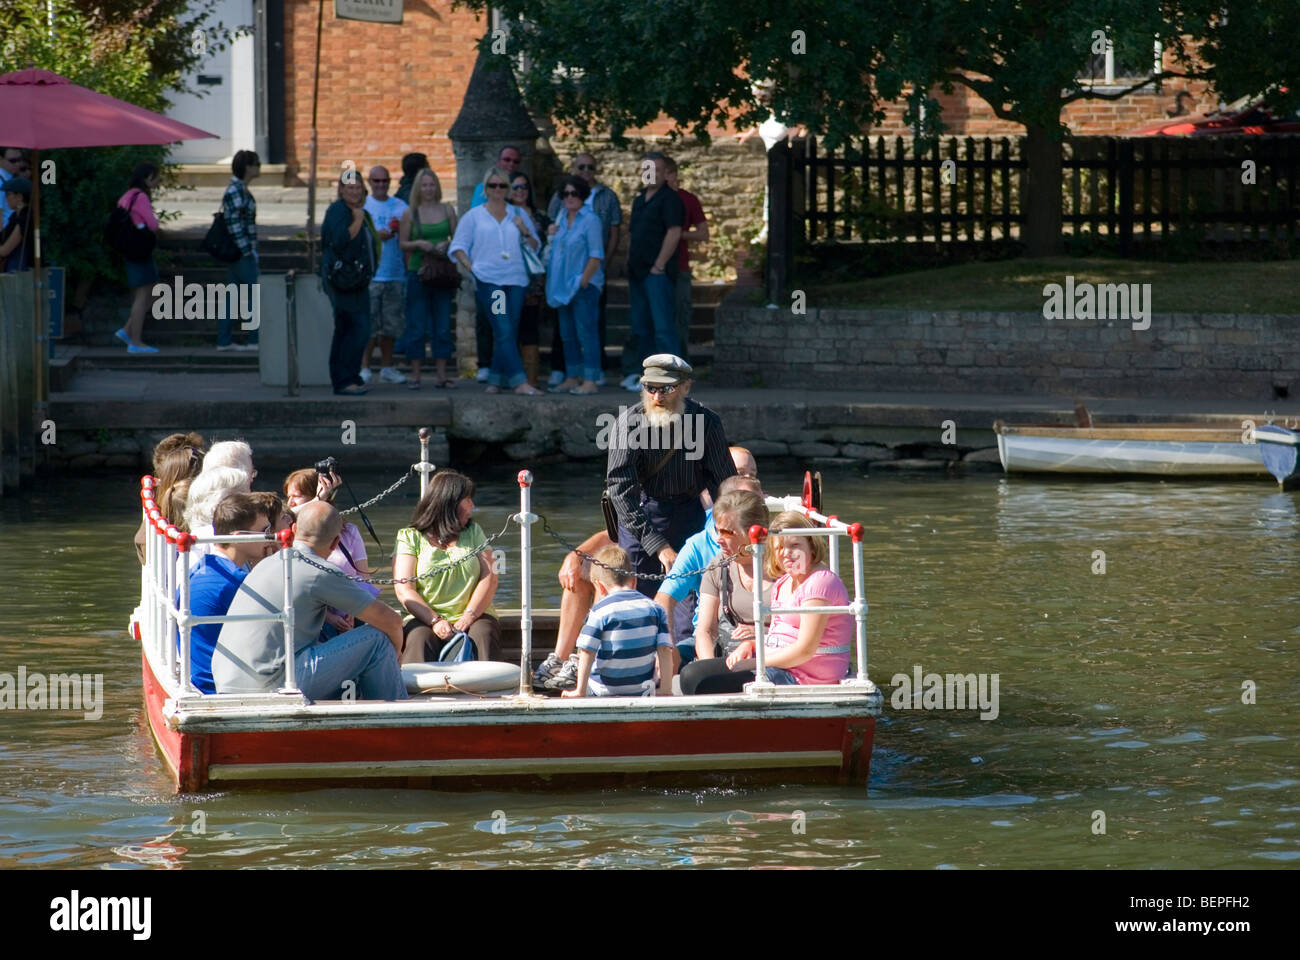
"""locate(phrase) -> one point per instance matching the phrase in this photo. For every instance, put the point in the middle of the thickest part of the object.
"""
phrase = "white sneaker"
(392, 375)
(600, 381)
(556, 378)
(223, 347)
(631, 382)
(365, 374)
(246, 347)
(483, 374)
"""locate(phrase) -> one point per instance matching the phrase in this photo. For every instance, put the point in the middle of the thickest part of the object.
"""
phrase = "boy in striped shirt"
(624, 635)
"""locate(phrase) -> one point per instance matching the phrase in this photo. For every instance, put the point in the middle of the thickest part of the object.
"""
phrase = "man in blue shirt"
(216, 577)
(699, 550)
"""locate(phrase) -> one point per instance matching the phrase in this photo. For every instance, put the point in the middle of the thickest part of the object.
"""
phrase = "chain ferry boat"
(457, 732)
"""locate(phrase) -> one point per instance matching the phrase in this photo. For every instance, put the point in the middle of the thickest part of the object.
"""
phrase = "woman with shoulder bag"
(349, 252)
(530, 316)
(141, 275)
(432, 279)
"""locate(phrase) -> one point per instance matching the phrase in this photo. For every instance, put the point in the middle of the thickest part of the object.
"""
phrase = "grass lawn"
(1217, 287)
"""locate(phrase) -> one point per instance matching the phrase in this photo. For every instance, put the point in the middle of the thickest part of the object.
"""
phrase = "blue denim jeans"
(243, 270)
(651, 318)
(579, 331)
(364, 655)
(783, 677)
(351, 331)
(507, 369)
(428, 317)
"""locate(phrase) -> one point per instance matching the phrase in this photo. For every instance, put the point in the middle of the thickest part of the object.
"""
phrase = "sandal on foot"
(413, 384)
(527, 390)
(580, 392)
(493, 389)
(353, 391)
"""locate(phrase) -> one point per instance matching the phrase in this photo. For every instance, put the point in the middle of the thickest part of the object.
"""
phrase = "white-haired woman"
(231, 453)
(206, 491)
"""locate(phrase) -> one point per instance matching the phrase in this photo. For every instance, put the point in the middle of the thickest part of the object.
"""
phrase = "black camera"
(326, 466)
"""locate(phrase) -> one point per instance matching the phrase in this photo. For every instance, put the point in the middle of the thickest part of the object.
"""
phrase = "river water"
(1121, 737)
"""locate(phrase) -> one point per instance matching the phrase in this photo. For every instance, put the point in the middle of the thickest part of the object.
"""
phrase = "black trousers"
(712, 676)
(674, 520)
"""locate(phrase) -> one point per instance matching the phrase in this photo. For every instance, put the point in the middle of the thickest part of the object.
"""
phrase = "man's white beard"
(658, 417)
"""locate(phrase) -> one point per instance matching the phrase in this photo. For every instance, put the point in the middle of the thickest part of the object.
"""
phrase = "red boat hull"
(675, 749)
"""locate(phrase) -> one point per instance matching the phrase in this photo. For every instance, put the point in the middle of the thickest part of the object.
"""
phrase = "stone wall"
(1180, 356)
(727, 175)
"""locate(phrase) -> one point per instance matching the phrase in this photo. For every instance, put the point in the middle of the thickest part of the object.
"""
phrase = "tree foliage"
(136, 50)
(833, 64)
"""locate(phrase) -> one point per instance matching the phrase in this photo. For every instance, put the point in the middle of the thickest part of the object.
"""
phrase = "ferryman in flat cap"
(662, 454)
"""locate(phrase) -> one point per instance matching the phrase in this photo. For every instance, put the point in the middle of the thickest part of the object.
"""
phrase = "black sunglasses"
(379, 180)
(496, 186)
(570, 193)
(664, 388)
(585, 166)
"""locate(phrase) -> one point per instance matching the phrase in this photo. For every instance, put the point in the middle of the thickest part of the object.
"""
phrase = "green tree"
(833, 64)
(135, 50)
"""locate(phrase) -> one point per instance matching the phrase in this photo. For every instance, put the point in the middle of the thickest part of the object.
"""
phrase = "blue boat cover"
(1279, 458)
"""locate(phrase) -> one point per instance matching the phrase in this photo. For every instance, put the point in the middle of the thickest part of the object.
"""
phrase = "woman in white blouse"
(489, 244)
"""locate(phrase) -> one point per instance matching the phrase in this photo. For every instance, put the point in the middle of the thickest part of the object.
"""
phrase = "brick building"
(387, 89)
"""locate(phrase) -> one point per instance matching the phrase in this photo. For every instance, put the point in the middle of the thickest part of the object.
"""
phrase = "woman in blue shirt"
(489, 244)
(574, 278)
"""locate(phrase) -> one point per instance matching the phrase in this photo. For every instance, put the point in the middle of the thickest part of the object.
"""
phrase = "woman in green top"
(426, 229)
(457, 598)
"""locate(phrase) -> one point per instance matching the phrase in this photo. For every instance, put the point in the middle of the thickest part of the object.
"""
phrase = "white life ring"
(474, 676)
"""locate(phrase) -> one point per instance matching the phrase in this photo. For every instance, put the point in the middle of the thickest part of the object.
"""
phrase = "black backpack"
(134, 243)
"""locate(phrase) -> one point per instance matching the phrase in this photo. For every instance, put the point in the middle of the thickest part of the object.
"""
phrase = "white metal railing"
(165, 613)
(857, 608)
(165, 593)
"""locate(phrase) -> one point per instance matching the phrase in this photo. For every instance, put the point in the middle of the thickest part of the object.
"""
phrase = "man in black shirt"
(654, 230)
(663, 452)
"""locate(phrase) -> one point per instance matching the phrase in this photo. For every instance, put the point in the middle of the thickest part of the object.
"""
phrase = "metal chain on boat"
(387, 581)
(375, 499)
(722, 561)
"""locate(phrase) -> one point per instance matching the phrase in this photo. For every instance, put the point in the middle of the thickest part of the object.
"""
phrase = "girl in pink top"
(140, 275)
(811, 647)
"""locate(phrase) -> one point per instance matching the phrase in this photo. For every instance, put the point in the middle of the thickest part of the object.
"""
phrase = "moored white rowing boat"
(1166, 450)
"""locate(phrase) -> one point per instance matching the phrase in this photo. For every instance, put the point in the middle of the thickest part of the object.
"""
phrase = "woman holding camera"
(456, 584)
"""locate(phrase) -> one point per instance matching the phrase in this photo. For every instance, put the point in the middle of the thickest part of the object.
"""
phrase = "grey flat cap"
(665, 368)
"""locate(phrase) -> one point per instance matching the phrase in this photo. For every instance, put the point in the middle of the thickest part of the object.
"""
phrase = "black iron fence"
(1121, 192)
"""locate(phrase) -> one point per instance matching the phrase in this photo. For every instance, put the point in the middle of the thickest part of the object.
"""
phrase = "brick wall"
(1180, 356)
(388, 89)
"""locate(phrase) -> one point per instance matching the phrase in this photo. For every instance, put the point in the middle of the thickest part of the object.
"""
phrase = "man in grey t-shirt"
(249, 656)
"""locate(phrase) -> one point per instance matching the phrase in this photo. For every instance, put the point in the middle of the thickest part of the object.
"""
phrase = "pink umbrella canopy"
(44, 111)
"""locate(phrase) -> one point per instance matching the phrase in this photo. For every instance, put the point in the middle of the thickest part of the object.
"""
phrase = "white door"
(225, 77)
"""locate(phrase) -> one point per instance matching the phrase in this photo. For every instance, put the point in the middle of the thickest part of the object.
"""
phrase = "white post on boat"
(286, 617)
(146, 577)
(155, 590)
(425, 467)
(173, 537)
(526, 518)
(757, 534)
(833, 546)
(145, 485)
(183, 543)
(859, 600)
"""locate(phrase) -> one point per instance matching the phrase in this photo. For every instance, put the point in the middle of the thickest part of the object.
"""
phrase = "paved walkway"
(147, 399)
(281, 211)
